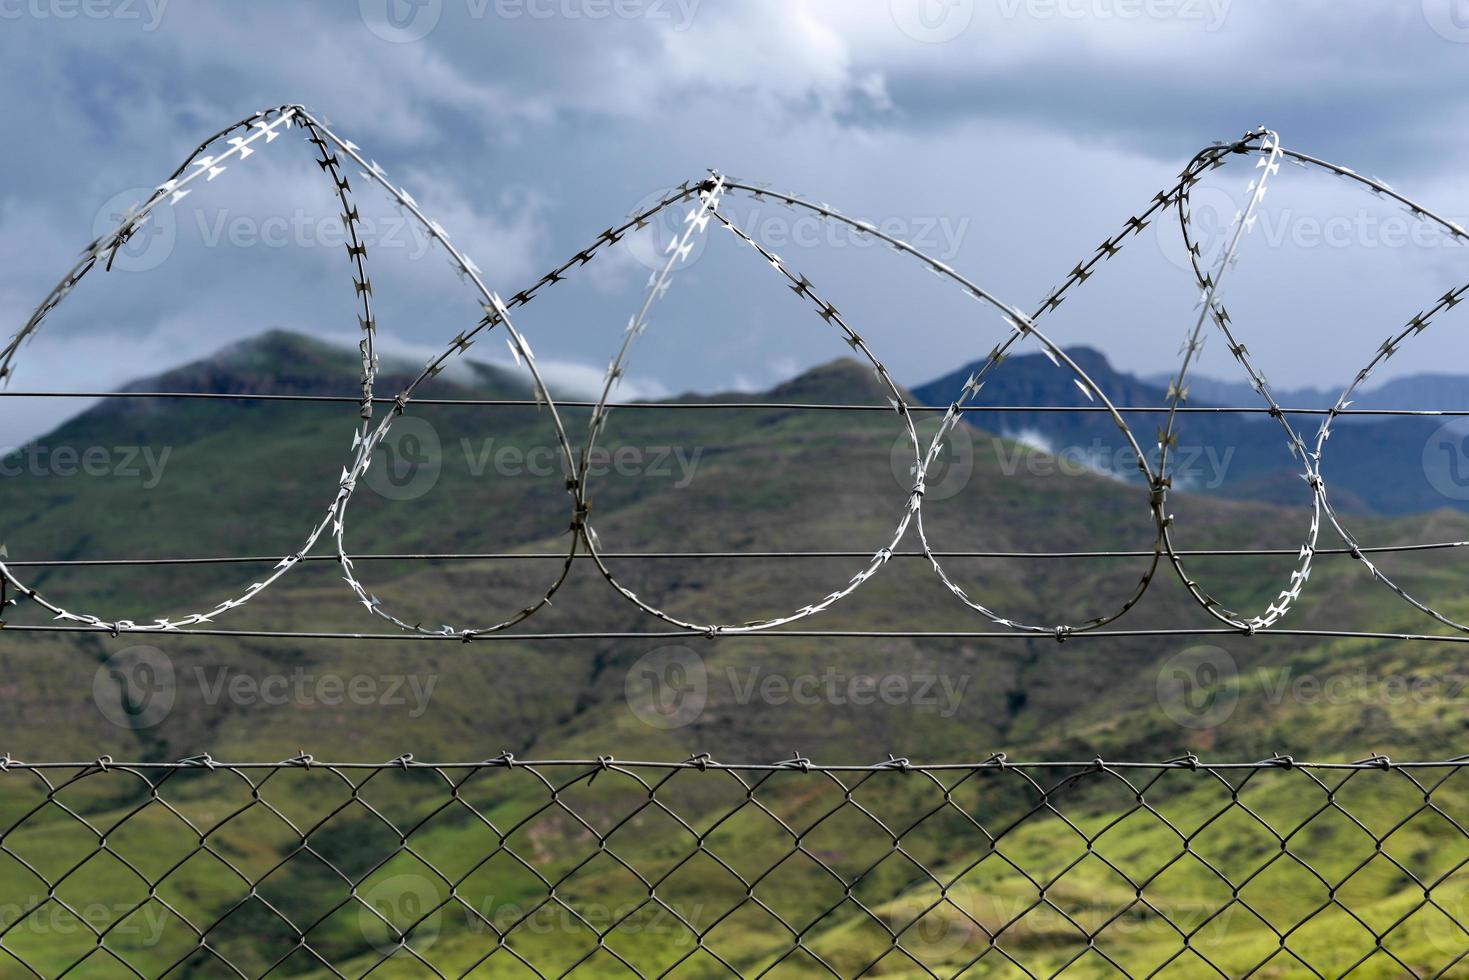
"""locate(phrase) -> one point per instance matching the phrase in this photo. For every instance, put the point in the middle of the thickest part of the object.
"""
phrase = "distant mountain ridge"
(284, 362)
(1441, 392)
(1394, 465)
(1390, 466)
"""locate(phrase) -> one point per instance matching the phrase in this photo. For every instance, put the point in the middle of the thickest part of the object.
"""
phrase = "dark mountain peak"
(842, 380)
(278, 361)
(277, 346)
(1031, 358)
(1031, 378)
(277, 349)
(1089, 359)
(286, 362)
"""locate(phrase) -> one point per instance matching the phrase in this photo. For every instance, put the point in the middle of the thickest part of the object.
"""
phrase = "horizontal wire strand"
(727, 405)
(694, 555)
(508, 637)
(703, 762)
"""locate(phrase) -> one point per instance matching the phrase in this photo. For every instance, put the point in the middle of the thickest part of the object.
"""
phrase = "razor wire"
(705, 198)
(804, 290)
(601, 866)
(1211, 308)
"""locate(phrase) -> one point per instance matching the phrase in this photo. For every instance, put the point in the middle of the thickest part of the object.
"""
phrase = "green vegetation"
(249, 478)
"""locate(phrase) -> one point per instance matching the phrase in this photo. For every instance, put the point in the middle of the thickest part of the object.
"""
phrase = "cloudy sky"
(1006, 137)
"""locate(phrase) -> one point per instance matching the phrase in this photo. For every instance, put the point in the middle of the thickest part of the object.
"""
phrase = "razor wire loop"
(1211, 308)
(1416, 324)
(1048, 795)
(1311, 458)
(261, 128)
(496, 314)
(268, 124)
(1266, 142)
(696, 222)
(1021, 325)
(802, 287)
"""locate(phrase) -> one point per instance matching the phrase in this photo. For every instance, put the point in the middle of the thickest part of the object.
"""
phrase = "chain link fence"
(605, 868)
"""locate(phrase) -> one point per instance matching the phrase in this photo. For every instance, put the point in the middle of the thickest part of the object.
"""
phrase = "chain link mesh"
(599, 867)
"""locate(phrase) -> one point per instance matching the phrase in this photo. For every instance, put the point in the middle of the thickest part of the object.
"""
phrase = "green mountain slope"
(249, 478)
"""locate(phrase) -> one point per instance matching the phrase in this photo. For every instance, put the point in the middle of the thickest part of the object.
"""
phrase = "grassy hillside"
(249, 478)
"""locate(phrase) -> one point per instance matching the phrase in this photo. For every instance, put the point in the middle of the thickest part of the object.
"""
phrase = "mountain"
(1216, 391)
(248, 478)
(1393, 466)
(1442, 392)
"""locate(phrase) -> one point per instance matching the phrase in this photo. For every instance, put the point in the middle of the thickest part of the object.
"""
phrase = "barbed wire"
(701, 867)
(1212, 308)
(659, 555)
(704, 198)
(748, 404)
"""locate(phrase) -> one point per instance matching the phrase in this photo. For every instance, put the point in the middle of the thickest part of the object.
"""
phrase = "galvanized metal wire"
(549, 868)
(703, 198)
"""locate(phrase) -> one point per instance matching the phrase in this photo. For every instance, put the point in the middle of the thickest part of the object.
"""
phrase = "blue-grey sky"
(1008, 137)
